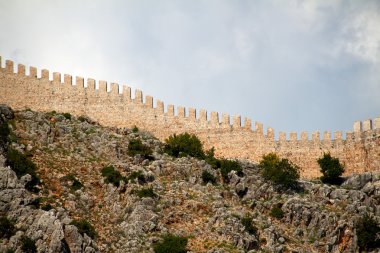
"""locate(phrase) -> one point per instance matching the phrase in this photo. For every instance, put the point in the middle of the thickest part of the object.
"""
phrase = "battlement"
(114, 89)
(112, 104)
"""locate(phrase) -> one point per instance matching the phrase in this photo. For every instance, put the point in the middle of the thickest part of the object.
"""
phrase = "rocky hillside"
(89, 193)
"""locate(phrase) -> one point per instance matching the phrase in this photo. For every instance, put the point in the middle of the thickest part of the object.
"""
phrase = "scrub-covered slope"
(100, 189)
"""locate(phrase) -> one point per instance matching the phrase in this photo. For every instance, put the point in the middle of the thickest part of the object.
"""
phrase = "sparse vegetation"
(137, 175)
(4, 132)
(47, 207)
(172, 244)
(112, 176)
(210, 158)
(248, 226)
(331, 169)
(280, 171)
(368, 233)
(242, 192)
(7, 228)
(135, 147)
(35, 203)
(84, 227)
(135, 129)
(85, 119)
(21, 165)
(75, 184)
(145, 193)
(277, 212)
(189, 145)
(226, 166)
(28, 245)
(207, 177)
(67, 115)
(184, 145)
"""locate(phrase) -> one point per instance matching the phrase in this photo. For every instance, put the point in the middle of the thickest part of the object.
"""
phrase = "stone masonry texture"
(359, 152)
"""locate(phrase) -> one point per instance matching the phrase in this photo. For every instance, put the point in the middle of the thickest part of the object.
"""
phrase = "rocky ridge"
(320, 218)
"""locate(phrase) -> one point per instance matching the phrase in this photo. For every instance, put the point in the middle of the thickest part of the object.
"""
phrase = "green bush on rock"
(226, 166)
(172, 244)
(280, 171)
(184, 145)
(207, 177)
(368, 233)
(4, 132)
(84, 227)
(135, 147)
(28, 245)
(145, 193)
(277, 212)
(112, 176)
(7, 228)
(247, 223)
(21, 165)
(331, 169)
(189, 145)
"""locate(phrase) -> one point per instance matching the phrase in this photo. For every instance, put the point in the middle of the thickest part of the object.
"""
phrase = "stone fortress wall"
(112, 106)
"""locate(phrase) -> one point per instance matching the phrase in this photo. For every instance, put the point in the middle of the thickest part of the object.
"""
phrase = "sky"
(293, 65)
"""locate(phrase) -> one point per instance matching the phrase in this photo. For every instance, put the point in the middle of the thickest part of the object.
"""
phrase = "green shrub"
(145, 193)
(28, 245)
(35, 203)
(172, 244)
(75, 183)
(280, 171)
(331, 169)
(84, 227)
(184, 145)
(226, 166)
(47, 207)
(82, 118)
(368, 233)
(137, 175)
(208, 177)
(4, 132)
(21, 165)
(241, 192)
(112, 176)
(135, 129)
(7, 228)
(210, 158)
(67, 115)
(135, 147)
(10, 250)
(247, 223)
(277, 212)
